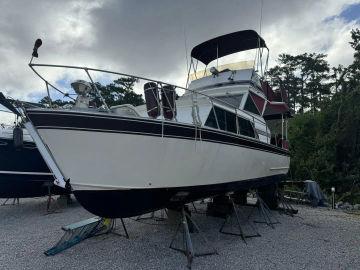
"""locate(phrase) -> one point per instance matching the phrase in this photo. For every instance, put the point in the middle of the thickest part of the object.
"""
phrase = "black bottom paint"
(133, 202)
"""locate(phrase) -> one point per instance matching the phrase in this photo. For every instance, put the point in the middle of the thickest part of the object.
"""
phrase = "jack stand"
(237, 213)
(50, 201)
(113, 228)
(187, 244)
(265, 212)
(79, 231)
(163, 214)
(15, 201)
(193, 205)
(196, 210)
(285, 206)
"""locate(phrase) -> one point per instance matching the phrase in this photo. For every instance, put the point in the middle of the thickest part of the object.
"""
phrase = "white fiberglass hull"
(147, 155)
(99, 160)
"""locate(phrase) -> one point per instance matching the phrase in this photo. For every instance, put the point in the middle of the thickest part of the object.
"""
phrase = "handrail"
(195, 120)
(86, 69)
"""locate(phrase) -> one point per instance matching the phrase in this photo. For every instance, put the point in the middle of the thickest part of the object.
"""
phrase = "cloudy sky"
(148, 38)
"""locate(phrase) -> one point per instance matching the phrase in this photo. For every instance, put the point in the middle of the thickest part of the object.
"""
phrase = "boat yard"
(315, 238)
(173, 136)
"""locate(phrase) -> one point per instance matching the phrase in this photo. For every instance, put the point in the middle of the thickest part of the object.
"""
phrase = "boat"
(184, 144)
(23, 172)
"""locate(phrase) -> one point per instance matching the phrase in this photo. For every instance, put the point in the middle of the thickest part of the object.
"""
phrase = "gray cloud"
(147, 37)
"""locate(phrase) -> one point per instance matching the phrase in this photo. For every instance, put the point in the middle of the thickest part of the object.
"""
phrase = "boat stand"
(197, 210)
(264, 212)
(159, 215)
(285, 206)
(238, 216)
(186, 245)
(50, 201)
(15, 201)
(79, 231)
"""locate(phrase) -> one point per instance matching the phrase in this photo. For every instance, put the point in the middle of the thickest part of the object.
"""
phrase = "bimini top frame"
(224, 45)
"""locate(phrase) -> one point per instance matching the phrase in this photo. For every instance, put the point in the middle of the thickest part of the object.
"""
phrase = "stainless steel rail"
(193, 92)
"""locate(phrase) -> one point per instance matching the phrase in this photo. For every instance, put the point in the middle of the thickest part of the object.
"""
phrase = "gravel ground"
(314, 239)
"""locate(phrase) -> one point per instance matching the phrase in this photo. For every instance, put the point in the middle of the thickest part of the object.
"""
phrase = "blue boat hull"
(23, 172)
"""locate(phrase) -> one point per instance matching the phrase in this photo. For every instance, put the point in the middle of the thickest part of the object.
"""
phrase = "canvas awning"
(227, 44)
(274, 110)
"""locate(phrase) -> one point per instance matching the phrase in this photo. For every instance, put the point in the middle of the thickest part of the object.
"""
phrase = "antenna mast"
(261, 12)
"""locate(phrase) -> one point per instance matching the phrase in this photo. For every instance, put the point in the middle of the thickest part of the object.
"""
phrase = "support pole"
(187, 245)
(49, 200)
(285, 206)
(15, 201)
(265, 213)
(238, 215)
(162, 213)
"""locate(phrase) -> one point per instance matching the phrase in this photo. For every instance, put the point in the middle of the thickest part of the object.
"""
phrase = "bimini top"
(227, 44)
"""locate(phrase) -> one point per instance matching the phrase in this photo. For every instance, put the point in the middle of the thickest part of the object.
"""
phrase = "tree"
(304, 76)
(120, 91)
(353, 75)
(283, 76)
(355, 44)
(57, 103)
(314, 74)
(337, 78)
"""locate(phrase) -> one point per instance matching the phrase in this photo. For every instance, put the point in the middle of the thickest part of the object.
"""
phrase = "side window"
(230, 122)
(250, 106)
(226, 120)
(234, 100)
(246, 128)
(220, 114)
(211, 120)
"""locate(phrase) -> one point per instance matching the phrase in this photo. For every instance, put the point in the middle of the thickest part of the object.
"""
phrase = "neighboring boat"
(124, 161)
(23, 172)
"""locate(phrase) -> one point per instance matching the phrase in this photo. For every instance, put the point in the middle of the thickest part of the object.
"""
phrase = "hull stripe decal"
(74, 121)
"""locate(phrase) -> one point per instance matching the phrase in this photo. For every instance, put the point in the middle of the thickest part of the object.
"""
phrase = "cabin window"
(226, 120)
(259, 102)
(220, 115)
(230, 122)
(246, 127)
(233, 100)
(250, 106)
(211, 120)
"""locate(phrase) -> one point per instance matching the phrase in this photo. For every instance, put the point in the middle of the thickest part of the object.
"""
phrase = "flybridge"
(217, 81)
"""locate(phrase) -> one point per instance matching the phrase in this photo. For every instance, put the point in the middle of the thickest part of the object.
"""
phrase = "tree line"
(324, 133)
